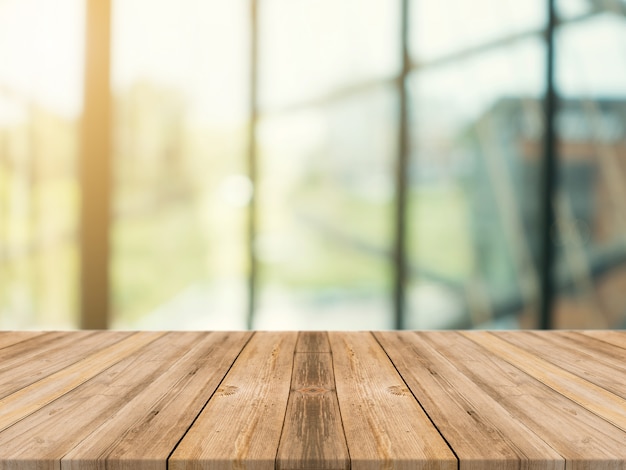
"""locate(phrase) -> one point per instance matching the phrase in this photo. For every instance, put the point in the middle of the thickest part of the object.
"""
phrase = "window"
(360, 164)
(40, 103)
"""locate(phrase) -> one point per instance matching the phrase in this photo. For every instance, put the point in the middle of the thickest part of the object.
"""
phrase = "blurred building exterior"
(591, 245)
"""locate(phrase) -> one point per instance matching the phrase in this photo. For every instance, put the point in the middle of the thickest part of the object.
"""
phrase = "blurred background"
(312, 164)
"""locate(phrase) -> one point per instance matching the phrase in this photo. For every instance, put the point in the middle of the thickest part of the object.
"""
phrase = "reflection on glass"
(591, 201)
(40, 101)
(312, 47)
(473, 199)
(326, 193)
(180, 196)
(440, 27)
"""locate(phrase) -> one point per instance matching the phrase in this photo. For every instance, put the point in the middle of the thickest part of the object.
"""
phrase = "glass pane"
(591, 57)
(591, 225)
(440, 27)
(576, 8)
(325, 203)
(473, 200)
(573, 8)
(180, 75)
(311, 47)
(41, 67)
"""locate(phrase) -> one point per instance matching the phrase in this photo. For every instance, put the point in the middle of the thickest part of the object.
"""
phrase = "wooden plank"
(584, 439)
(589, 395)
(616, 338)
(48, 434)
(144, 432)
(312, 435)
(312, 341)
(483, 434)
(241, 425)
(38, 360)
(598, 343)
(603, 351)
(9, 338)
(38, 394)
(498, 398)
(578, 354)
(385, 426)
(24, 350)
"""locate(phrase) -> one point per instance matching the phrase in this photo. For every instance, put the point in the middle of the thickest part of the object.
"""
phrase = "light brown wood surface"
(312, 435)
(483, 434)
(385, 426)
(242, 423)
(473, 400)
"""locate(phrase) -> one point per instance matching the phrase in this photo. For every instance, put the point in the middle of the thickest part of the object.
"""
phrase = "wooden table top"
(313, 400)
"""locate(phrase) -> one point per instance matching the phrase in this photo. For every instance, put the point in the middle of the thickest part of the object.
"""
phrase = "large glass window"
(41, 62)
(274, 159)
(448, 27)
(180, 87)
(326, 146)
(325, 200)
(473, 213)
(591, 197)
(315, 48)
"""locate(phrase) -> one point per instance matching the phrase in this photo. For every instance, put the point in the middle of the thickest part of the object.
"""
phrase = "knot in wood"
(398, 390)
(312, 390)
(227, 390)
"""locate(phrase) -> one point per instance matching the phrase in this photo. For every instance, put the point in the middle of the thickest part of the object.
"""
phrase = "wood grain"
(587, 394)
(615, 338)
(385, 427)
(578, 354)
(483, 434)
(313, 341)
(312, 435)
(21, 352)
(141, 434)
(241, 425)
(14, 337)
(394, 400)
(33, 360)
(46, 435)
(38, 394)
(584, 439)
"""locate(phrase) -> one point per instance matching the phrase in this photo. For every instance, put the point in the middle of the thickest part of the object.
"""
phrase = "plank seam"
(458, 460)
(95, 430)
(332, 364)
(79, 385)
(48, 338)
(167, 460)
(282, 428)
(295, 352)
(622, 430)
(582, 334)
(547, 359)
(584, 353)
(36, 336)
(520, 422)
(95, 351)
